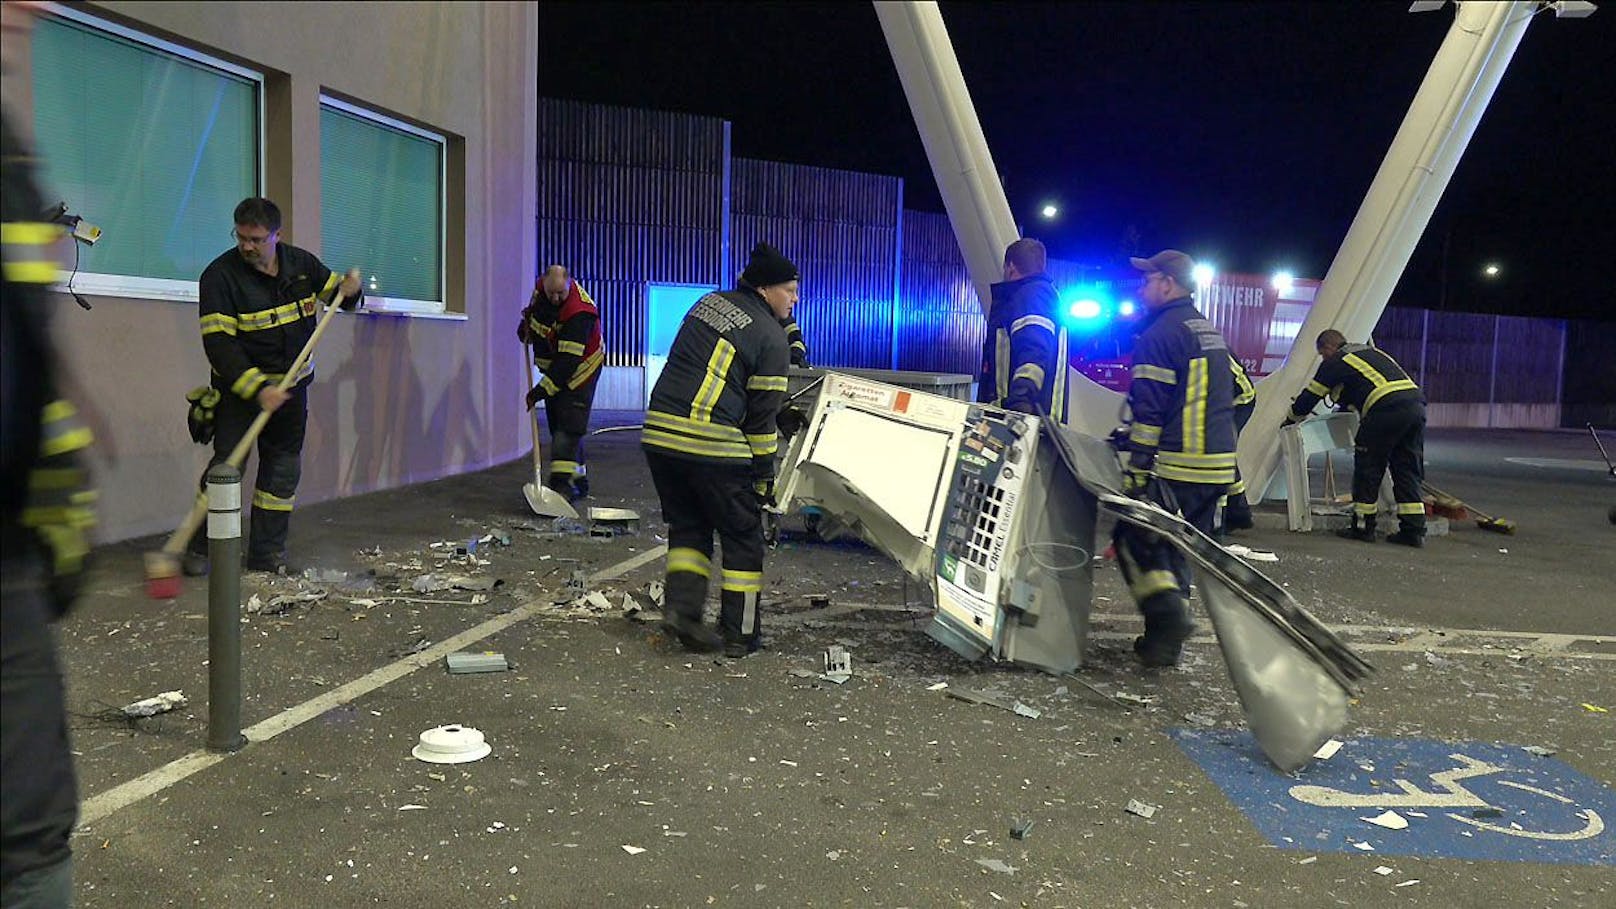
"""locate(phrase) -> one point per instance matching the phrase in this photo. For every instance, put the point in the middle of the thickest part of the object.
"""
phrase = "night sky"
(1243, 133)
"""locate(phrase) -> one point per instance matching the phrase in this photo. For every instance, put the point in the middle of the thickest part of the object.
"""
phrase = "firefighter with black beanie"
(710, 438)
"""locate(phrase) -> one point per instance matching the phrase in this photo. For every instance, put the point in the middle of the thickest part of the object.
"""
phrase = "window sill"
(406, 314)
(125, 287)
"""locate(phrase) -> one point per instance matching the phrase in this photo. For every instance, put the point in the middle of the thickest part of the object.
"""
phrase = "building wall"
(396, 399)
(841, 230)
(628, 197)
(940, 324)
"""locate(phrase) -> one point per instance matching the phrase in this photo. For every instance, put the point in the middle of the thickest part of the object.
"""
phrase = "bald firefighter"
(563, 325)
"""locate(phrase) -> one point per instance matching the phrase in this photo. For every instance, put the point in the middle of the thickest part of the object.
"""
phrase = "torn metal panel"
(996, 512)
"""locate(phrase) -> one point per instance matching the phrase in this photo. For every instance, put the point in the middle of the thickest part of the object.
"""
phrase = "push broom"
(1456, 508)
(163, 566)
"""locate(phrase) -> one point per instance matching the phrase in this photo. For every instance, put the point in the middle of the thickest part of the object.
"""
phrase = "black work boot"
(1167, 626)
(692, 633)
(1237, 514)
(1408, 536)
(562, 483)
(1364, 532)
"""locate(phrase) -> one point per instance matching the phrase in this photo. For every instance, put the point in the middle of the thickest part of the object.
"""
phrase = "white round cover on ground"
(452, 744)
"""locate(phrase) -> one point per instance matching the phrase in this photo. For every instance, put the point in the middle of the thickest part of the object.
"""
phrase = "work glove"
(1119, 438)
(524, 329)
(1136, 482)
(199, 417)
(790, 421)
(61, 504)
(1291, 418)
(764, 490)
(536, 394)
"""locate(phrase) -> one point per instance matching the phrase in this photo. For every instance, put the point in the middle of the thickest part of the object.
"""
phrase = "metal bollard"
(224, 609)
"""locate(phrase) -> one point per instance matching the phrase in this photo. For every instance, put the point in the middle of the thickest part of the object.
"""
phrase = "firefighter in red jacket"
(563, 325)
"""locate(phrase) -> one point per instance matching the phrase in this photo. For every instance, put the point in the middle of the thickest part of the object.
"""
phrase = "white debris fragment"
(834, 855)
(1383, 871)
(1141, 700)
(1309, 860)
(160, 703)
(1408, 883)
(1391, 820)
(997, 865)
(788, 763)
(632, 850)
(1141, 809)
(1539, 750)
(937, 687)
(1363, 847)
(412, 807)
(1327, 750)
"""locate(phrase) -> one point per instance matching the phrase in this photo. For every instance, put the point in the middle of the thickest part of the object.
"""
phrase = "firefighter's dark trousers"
(700, 498)
(567, 414)
(1157, 574)
(1391, 435)
(280, 466)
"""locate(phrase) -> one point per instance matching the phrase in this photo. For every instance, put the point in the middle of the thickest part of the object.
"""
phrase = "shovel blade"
(547, 503)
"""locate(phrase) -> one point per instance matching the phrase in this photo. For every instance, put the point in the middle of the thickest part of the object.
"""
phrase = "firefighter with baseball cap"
(562, 324)
(1180, 444)
(710, 438)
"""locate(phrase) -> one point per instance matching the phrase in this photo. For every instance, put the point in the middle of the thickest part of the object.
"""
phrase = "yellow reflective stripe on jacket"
(1195, 395)
(1057, 402)
(1411, 508)
(570, 347)
(1031, 372)
(270, 318)
(1190, 467)
(1155, 373)
(701, 408)
(743, 581)
(1317, 387)
(1388, 388)
(1001, 366)
(1245, 392)
(692, 561)
(586, 369)
(332, 281)
(26, 251)
(252, 379)
(268, 502)
(662, 420)
(685, 444)
(1145, 434)
(1033, 321)
(566, 468)
(766, 383)
(763, 444)
(218, 323)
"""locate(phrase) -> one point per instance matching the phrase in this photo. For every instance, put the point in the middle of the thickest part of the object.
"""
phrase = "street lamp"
(1284, 281)
(1049, 211)
(1491, 270)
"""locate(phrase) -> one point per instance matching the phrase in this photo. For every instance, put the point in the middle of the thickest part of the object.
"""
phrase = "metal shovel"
(544, 501)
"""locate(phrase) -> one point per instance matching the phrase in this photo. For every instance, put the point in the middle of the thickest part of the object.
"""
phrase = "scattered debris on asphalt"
(1383, 871)
(1327, 750)
(1019, 828)
(993, 699)
(1141, 809)
(1540, 750)
(1391, 820)
(159, 703)
(838, 664)
(632, 850)
(453, 744)
(465, 663)
(997, 865)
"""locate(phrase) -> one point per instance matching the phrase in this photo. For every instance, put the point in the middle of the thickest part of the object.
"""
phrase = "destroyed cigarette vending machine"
(971, 501)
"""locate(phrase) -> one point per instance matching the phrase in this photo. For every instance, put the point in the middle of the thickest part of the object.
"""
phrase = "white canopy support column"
(958, 152)
(1444, 115)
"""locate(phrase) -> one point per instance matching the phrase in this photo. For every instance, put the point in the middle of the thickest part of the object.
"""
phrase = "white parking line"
(146, 785)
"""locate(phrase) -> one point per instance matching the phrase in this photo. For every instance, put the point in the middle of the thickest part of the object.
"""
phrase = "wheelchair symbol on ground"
(1471, 800)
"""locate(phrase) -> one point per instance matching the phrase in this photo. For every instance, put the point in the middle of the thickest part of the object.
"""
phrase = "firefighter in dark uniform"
(1180, 444)
(48, 512)
(563, 326)
(1024, 351)
(710, 437)
(1391, 432)
(1236, 510)
(260, 303)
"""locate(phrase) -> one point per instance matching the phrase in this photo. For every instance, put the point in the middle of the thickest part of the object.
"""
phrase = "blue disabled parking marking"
(1464, 800)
